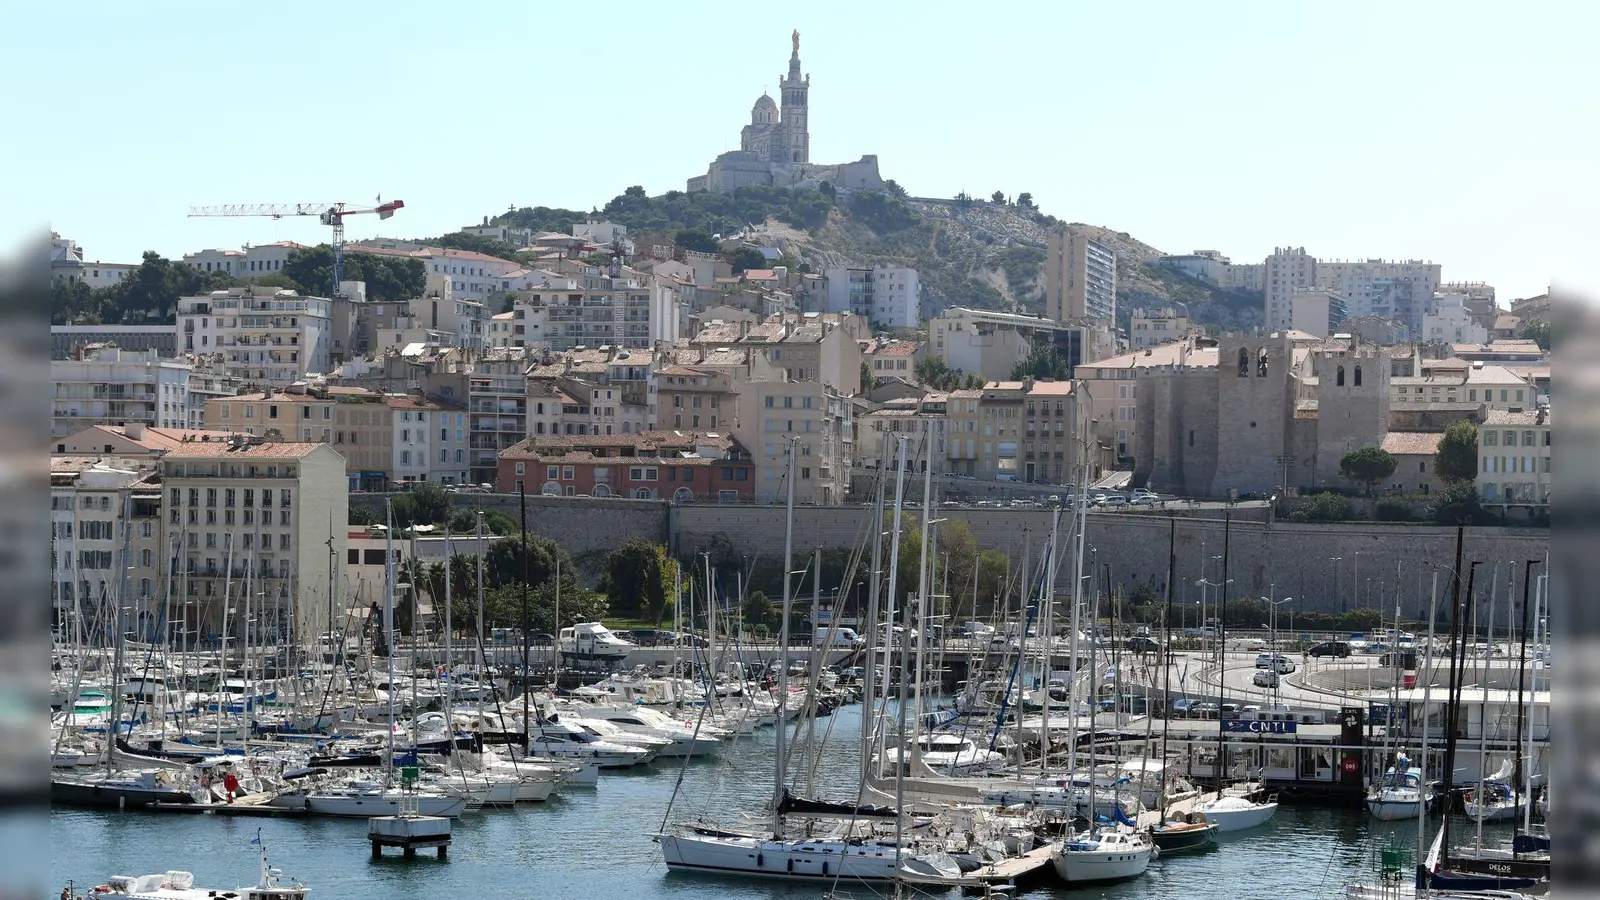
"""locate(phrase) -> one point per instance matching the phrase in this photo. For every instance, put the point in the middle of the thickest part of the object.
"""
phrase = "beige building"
(1514, 458)
(1152, 327)
(1051, 443)
(354, 421)
(129, 442)
(694, 399)
(888, 358)
(1413, 452)
(105, 546)
(1080, 277)
(962, 429)
(819, 418)
(261, 521)
(812, 351)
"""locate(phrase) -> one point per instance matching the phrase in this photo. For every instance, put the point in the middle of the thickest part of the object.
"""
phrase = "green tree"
(386, 277)
(963, 199)
(1043, 362)
(883, 213)
(867, 381)
(1025, 200)
(1536, 330)
(504, 563)
(601, 258)
(431, 503)
(1457, 456)
(894, 189)
(1458, 504)
(828, 190)
(1367, 465)
(495, 521)
(697, 239)
(758, 610)
(999, 198)
(1325, 507)
(461, 240)
(746, 258)
(637, 579)
(361, 516)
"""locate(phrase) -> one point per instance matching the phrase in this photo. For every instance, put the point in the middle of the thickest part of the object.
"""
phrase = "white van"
(825, 636)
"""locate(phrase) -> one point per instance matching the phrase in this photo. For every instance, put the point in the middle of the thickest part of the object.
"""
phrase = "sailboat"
(775, 855)
(1105, 852)
(1192, 833)
(1402, 793)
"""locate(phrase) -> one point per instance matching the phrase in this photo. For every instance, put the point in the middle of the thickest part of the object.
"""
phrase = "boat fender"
(824, 867)
(1155, 852)
(760, 858)
(791, 865)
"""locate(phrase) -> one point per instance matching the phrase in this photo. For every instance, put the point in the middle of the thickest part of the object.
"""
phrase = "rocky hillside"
(969, 252)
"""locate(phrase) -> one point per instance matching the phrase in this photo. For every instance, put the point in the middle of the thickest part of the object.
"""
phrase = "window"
(283, 564)
(521, 468)
(1261, 363)
(1244, 363)
(1527, 438)
(1489, 438)
(805, 473)
(1339, 377)
(1511, 439)
(768, 403)
(1358, 376)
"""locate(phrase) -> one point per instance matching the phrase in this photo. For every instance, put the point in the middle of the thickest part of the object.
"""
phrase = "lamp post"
(1276, 689)
(1335, 560)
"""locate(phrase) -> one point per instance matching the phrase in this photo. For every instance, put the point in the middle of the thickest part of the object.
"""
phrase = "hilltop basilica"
(775, 148)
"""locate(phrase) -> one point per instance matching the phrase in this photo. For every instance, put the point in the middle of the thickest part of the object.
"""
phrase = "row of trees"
(149, 295)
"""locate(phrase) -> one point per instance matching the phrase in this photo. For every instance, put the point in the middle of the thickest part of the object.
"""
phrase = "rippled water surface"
(594, 843)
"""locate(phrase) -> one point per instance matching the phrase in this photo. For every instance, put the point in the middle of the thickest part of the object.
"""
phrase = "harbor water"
(595, 843)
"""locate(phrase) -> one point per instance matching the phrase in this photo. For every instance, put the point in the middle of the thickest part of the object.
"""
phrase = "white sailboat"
(1402, 793)
(776, 856)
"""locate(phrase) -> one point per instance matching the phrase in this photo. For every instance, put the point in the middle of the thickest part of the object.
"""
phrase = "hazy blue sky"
(1458, 132)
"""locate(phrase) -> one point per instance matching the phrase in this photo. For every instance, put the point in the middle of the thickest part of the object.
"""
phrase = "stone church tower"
(796, 139)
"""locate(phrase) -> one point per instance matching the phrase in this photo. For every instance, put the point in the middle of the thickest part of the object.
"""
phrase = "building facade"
(112, 386)
(265, 335)
(820, 421)
(1514, 457)
(1080, 277)
(264, 521)
(1152, 327)
(1287, 269)
(684, 467)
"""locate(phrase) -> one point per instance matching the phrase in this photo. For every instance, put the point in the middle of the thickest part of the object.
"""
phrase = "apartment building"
(112, 386)
(808, 350)
(131, 442)
(1151, 327)
(252, 261)
(497, 410)
(105, 545)
(681, 466)
(257, 520)
(1285, 271)
(616, 385)
(814, 415)
(1080, 277)
(694, 399)
(66, 339)
(469, 276)
(622, 308)
(1051, 443)
(1514, 457)
(266, 335)
(1316, 311)
(963, 425)
(355, 421)
(1449, 320)
(921, 418)
(1376, 287)
(889, 358)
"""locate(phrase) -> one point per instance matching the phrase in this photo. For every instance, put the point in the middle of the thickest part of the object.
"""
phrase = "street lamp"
(1277, 688)
(1335, 560)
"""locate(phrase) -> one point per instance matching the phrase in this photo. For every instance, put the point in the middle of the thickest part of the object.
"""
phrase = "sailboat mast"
(483, 661)
(894, 577)
(869, 677)
(1222, 650)
(388, 629)
(1457, 660)
(924, 585)
(1524, 771)
(1427, 697)
(783, 646)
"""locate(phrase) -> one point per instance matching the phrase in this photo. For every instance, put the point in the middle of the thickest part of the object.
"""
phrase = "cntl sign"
(1241, 726)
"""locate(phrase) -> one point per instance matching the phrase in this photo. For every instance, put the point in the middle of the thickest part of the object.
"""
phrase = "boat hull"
(1100, 866)
(783, 860)
(1187, 838)
(113, 795)
(1228, 820)
(1390, 810)
(362, 806)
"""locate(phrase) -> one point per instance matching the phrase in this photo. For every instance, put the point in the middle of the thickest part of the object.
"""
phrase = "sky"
(1460, 133)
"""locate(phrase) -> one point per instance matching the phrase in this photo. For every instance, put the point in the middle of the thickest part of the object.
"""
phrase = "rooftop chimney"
(134, 431)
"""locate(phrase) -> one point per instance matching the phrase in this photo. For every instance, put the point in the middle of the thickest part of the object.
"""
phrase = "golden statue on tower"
(796, 39)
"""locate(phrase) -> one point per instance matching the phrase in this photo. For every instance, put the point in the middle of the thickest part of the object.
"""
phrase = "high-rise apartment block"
(1080, 277)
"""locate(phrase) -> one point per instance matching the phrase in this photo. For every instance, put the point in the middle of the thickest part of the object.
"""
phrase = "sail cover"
(792, 805)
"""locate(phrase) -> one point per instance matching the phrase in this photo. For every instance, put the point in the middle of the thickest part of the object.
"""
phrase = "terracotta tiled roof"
(642, 442)
(1507, 417)
(272, 450)
(1412, 443)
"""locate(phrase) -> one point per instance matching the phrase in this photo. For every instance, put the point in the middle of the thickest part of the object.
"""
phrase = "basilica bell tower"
(794, 87)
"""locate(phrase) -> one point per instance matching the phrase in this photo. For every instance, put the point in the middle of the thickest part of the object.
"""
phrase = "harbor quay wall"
(583, 526)
(1324, 567)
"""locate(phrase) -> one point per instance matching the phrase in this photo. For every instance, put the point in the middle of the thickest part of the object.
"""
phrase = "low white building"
(1154, 327)
(887, 296)
(112, 386)
(982, 342)
(1449, 320)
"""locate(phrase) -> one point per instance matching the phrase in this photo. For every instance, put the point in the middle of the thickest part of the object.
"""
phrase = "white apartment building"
(1450, 320)
(449, 439)
(264, 520)
(1285, 271)
(626, 309)
(886, 296)
(1514, 457)
(208, 380)
(412, 422)
(818, 418)
(91, 500)
(1149, 327)
(458, 321)
(266, 335)
(111, 386)
(1378, 287)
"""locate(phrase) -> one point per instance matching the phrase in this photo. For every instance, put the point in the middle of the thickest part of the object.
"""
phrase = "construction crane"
(329, 213)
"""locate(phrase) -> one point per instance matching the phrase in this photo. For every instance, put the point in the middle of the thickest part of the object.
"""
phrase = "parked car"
(1336, 649)
(1112, 500)
(1276, 662)
(1142, 644)
(1181, 705)
(1265, 678)
(976, 629)
(1203, 711)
